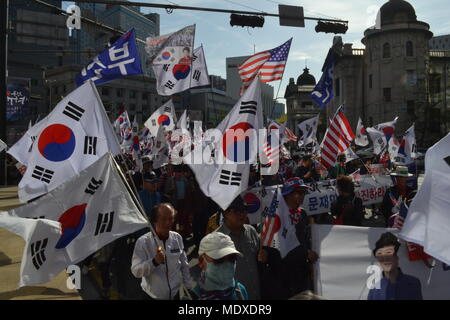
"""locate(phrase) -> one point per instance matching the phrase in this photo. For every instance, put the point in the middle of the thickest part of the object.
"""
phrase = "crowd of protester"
(231, 261)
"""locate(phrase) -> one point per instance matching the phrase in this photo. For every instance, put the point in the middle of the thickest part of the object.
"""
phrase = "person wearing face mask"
(394, 284)
(159, 258)
(217, 257)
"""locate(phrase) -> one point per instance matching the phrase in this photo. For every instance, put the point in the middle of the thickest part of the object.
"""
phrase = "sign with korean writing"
(119, 60)
(17, 99)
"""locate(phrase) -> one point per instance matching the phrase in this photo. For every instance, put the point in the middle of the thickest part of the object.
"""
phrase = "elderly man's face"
(164, 220)
(295, 198)
(387, 258)
(235, 218)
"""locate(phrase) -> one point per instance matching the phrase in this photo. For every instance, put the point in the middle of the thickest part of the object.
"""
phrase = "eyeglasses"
(230, 258)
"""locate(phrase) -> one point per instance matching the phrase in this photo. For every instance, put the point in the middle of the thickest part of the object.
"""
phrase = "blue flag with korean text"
(119, 60)
(323, 92)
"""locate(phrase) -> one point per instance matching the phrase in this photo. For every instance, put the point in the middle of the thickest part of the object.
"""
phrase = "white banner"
(347, 267)
(320, 198)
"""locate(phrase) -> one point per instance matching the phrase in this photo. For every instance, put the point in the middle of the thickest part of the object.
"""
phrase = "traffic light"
(331, 27)
(246, 21)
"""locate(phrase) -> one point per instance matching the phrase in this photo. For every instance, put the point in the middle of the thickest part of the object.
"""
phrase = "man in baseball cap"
(217, 257)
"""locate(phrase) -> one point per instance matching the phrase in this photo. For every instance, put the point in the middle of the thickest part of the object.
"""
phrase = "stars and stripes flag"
(400, 216)
(268, 65)
(337, 139)
(271, 223)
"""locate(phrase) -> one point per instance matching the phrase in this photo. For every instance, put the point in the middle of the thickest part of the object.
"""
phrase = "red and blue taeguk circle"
(166, 55)
(72, 222)
(181, 71)
(252, 202)
(164, 120)
(56, 142)
(235, 142)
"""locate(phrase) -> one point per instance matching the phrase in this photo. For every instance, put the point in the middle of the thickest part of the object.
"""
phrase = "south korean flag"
(72, 137)
(174, 78)
(164, 117)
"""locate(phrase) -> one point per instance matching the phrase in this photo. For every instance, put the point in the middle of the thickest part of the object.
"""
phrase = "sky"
(220, 40)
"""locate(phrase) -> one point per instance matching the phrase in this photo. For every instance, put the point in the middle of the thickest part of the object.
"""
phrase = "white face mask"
(219, 276)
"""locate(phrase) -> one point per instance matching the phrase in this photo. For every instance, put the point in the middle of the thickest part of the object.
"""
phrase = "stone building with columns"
(396, 74)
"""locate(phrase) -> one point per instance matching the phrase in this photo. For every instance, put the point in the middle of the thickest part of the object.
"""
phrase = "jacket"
(350, 209)
(162, 281)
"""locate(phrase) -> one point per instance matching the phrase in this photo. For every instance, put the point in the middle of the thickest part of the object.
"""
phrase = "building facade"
(300, 105)
(395, 75)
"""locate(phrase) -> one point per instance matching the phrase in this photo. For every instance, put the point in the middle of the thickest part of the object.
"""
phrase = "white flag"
(279, 229)
(94, 208)
(407, 149)
(308, 130)
(164, 117)
(393, 146)
(160, 150)
(183, 122)
(388, 128)
(22, 149)
(378, 139)
(361, 137)
(3, 145)
(236, 149)
(350, 155)
(72, 137)
(174, 78)
(428, 221)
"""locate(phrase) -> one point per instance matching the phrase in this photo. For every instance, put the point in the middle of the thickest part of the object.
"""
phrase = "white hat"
(401, 171)
(217, 245)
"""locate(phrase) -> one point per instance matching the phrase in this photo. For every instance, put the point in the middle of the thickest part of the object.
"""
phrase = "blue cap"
(292, 184)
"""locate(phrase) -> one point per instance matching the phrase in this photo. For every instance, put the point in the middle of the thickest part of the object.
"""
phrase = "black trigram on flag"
(230, 178)
(38, 253)
(93, 186)
(42, 174)
(167, 109)
(169, 84)
(248, 107)
(447, 160)
(166, 67)
(196, 75)
(33, 138)
(35, 218)
(194, 57)
(73, 111)
(104, 222)
(90, 145)
(154, 122)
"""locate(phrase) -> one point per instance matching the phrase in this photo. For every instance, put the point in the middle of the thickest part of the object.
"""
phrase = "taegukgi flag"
(164, 117)
(361, 135)
(308, 130)
(119, 60)
(235, 149)
(176, 77)
(73, 221)
(171, 48)
(72, 137)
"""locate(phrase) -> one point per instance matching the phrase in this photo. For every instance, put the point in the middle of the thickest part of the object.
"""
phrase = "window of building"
(119, 92)
(409, 49)
(105, 91)
(386, 50)
(435, 83)
(370, 81)
(132, 107)
(370, 121)
(337, 87)
(144, 96)
(34, 82)
(55, 90)
(306, 104)
(64, 88)
(133, 94)
(411, 77)
(387, 94)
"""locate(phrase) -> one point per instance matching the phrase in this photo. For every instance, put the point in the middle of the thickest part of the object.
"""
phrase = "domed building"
(300, 106)
(396, 74)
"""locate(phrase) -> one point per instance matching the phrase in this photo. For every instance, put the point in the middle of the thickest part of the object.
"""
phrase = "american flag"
(272, 223)
(337, 139)
(268, 65)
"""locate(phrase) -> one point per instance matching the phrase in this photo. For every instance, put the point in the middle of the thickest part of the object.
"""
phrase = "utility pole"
(3, 76)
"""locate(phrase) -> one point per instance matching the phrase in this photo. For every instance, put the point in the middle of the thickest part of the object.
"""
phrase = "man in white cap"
(217, 257)
(399, 191)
